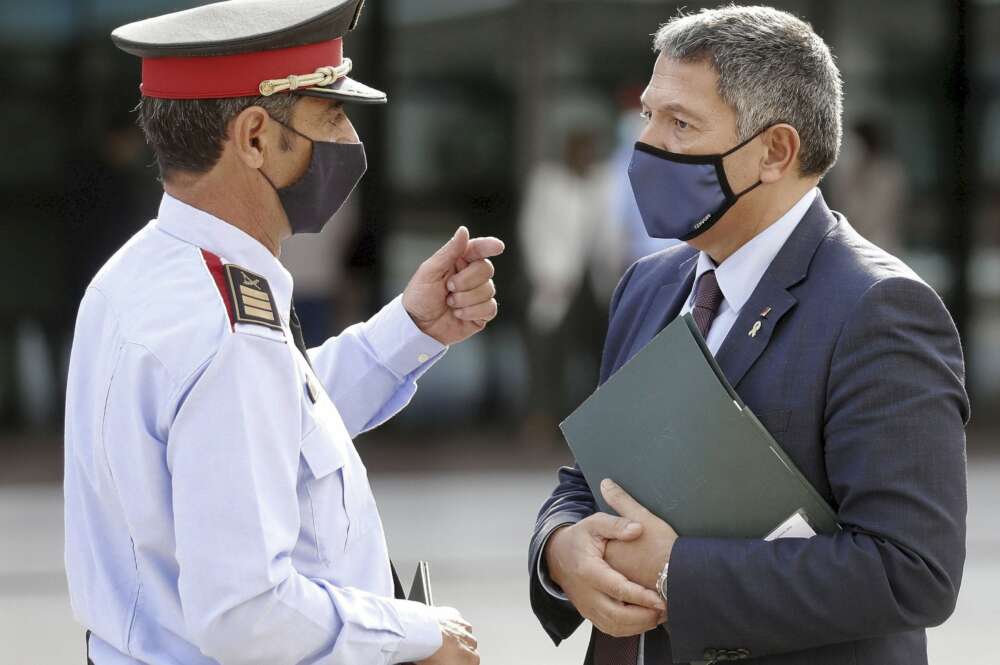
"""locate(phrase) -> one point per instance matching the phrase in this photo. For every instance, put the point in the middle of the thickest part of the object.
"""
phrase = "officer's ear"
(252, 135)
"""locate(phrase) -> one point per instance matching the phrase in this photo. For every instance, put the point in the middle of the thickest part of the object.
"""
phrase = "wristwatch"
(661, 582)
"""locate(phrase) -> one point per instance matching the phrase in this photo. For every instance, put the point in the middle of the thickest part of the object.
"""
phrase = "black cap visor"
(347, 90)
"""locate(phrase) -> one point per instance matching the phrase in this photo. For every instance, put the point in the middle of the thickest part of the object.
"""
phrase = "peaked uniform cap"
(245, 48)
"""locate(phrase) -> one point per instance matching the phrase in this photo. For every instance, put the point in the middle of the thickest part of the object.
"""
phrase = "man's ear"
(252, 136)
(783, 144)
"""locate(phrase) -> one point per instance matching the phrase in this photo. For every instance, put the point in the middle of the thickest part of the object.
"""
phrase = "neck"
(234, 201)
(755, 213)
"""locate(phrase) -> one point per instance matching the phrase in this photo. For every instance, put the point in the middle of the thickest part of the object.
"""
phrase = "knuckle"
(599, 521)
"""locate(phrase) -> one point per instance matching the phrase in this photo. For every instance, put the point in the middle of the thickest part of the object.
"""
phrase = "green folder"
(674, 434)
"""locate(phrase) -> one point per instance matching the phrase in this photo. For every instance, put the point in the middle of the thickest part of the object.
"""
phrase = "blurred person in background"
(102, 197)
(869, 185)
(849, 359)
(318, 264)
(572, 256)
(216, 508)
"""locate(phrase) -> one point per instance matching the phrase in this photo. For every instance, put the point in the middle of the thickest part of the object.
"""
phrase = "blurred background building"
(489, 99)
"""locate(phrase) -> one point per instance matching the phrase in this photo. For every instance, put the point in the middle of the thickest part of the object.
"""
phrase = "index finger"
(622, 501)
(483, 248)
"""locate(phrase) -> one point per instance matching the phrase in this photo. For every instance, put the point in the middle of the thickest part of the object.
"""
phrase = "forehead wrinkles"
(665, 97)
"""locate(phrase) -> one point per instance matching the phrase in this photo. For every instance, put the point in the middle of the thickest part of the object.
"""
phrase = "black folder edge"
(710, 358)
(768, 439)
(420, 591)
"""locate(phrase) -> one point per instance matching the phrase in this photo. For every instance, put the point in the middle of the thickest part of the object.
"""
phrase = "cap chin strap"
(322, 76)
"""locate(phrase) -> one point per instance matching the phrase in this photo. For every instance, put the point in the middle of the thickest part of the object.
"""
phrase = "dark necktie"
(300, 341)
(707, 298)
(615, 650)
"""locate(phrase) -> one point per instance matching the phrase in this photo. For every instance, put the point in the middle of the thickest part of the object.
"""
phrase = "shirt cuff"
(398, 343)
(544, 579)
(423, 632)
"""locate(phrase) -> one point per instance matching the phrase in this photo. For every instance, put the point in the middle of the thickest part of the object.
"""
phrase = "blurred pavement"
(473, 527)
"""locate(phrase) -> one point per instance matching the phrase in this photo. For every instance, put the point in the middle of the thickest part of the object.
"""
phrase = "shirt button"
(423, 357)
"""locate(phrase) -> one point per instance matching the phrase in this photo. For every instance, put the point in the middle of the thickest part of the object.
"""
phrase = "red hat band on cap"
(240, 75)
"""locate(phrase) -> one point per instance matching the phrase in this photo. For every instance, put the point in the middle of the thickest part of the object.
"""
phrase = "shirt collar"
(232, 245)
(739, 274)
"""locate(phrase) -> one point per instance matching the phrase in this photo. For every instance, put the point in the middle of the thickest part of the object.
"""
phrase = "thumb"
(452, 250)
(614, 528)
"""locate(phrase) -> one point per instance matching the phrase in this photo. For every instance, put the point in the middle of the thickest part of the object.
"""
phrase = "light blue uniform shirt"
(216, 511)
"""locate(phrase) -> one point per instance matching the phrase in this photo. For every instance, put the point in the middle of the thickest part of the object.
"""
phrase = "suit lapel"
(664, 307)
(740, 350)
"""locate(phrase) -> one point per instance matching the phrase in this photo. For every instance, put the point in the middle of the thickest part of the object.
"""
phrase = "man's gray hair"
(187, 135)
(773, 68)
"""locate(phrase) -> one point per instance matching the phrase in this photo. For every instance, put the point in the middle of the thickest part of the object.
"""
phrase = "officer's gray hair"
(187, 135)
(773, 68)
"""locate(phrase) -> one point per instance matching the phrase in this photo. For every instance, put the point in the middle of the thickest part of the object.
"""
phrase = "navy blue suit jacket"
(858, 373)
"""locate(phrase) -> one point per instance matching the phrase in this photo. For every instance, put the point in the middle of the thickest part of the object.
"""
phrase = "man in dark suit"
(849, 359)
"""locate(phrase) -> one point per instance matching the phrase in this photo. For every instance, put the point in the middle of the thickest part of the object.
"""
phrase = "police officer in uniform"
(216, 507)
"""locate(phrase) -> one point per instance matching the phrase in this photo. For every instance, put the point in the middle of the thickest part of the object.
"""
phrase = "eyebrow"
(674, 107)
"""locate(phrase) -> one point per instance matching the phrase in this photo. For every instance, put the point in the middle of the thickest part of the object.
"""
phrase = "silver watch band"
(661, 582)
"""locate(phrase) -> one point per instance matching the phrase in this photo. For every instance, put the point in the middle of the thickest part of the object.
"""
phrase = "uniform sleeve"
(894, 447)
(233, 454)
(371, 369)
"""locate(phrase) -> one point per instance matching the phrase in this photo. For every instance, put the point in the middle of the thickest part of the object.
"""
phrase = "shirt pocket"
(325, 510)
(336, 486)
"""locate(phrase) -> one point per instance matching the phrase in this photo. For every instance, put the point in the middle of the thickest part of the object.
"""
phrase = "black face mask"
(334, 171)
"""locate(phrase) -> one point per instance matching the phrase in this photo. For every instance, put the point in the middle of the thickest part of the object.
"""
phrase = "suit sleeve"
(371, 369)
(895, 457)
(570, 502)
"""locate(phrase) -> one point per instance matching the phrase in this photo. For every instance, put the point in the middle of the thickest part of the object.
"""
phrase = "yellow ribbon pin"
(755, 329)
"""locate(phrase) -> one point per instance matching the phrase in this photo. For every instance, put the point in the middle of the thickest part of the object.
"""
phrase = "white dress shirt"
(740, 274)
(216, 508)
(738, 277)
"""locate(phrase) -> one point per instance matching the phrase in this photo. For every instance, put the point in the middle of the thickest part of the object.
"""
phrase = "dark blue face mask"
(334, 171)
(681, 196)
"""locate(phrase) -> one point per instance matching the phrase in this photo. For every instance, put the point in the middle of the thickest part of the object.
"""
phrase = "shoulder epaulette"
(247, 295)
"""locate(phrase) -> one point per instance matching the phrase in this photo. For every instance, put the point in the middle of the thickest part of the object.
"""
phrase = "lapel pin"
(755, 329)
(765, 312)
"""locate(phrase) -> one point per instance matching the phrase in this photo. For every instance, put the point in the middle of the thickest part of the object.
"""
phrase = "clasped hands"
(608, 566)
